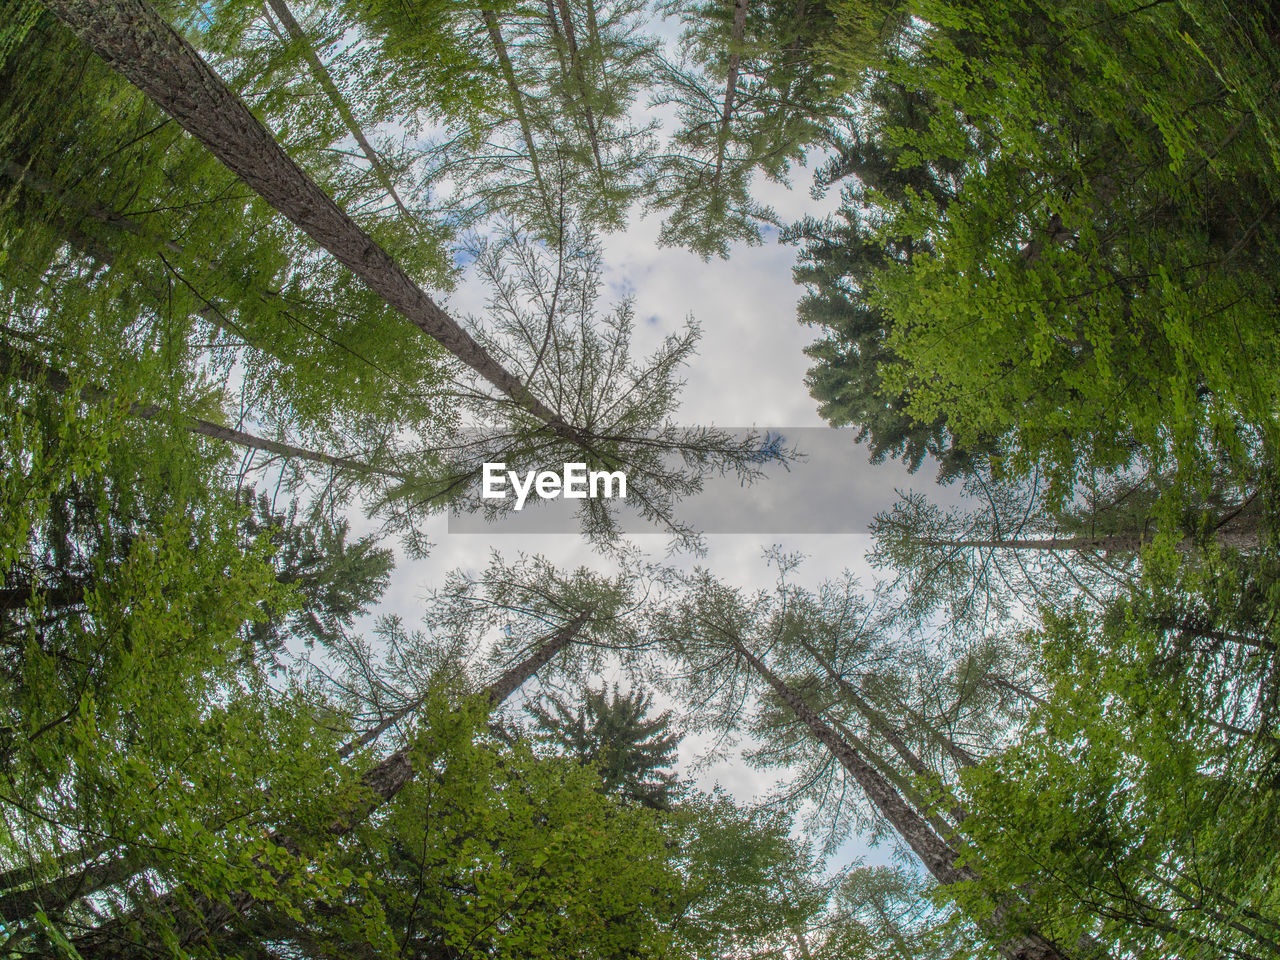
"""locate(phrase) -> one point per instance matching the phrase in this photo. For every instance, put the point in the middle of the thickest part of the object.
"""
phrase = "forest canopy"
(1039, 259)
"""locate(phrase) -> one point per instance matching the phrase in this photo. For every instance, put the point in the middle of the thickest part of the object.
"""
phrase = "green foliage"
(332, 580)
(1143, 777)
(748, 887)
(609, 732)
(840, 258)
(1107, 244)
(751, 99)
(1052, 266)
(141, 745)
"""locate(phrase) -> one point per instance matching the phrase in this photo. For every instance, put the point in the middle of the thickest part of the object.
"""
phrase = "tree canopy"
(240, 383)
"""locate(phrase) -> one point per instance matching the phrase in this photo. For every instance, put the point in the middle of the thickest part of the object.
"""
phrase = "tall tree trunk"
(55, 895)
(730, 89)
(575, 60)
(593, 35)
(517, 103)
(900, 782)
(938, 857)
(1243, 538)
(134, 40)
(59, 595)
(875, 719)
(23, 366)
(325, 80)
(380, 784)
(893, 736)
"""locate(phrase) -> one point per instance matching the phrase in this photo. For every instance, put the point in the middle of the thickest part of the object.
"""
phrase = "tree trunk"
(55, 895)
(575, 61)
(134, 40)
(22, 366)
(325, 80)
(874, 717)
(60, 595)
(380, 782)
(898, 780)
(938, 857)
(517, 104)
(730, 90)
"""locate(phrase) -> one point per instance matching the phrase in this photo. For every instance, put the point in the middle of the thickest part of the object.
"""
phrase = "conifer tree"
(609, 732)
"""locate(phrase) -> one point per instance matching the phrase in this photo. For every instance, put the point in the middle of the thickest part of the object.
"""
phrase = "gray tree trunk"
(137, 42)
(731, 89)
(938, 857)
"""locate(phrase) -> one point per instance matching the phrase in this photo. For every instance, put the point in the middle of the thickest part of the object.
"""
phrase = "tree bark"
(517, 103)
(938, 857)
(134, 40)
(580, 77)
(899, 781)
(874, 717)
(23, 366)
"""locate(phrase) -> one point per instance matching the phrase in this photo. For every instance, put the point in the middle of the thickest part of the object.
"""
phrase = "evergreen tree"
(334, 581)
(609, 732)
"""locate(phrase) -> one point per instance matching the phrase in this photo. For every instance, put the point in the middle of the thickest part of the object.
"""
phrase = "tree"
(151, 54)
(136, 263)
(334, 581)
(325, 80)
(1057, 297)
(551, 133)
(713, 629)
(130, 712)
(608, 732)
(1127, 766)
(839, 259)
(752, 95)
(748, 887)
(543, 318)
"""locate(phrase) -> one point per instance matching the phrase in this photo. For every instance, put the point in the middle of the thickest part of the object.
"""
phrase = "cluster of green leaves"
(1132, 802)
(142, 738)
(1045, 256)
(112, 212)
